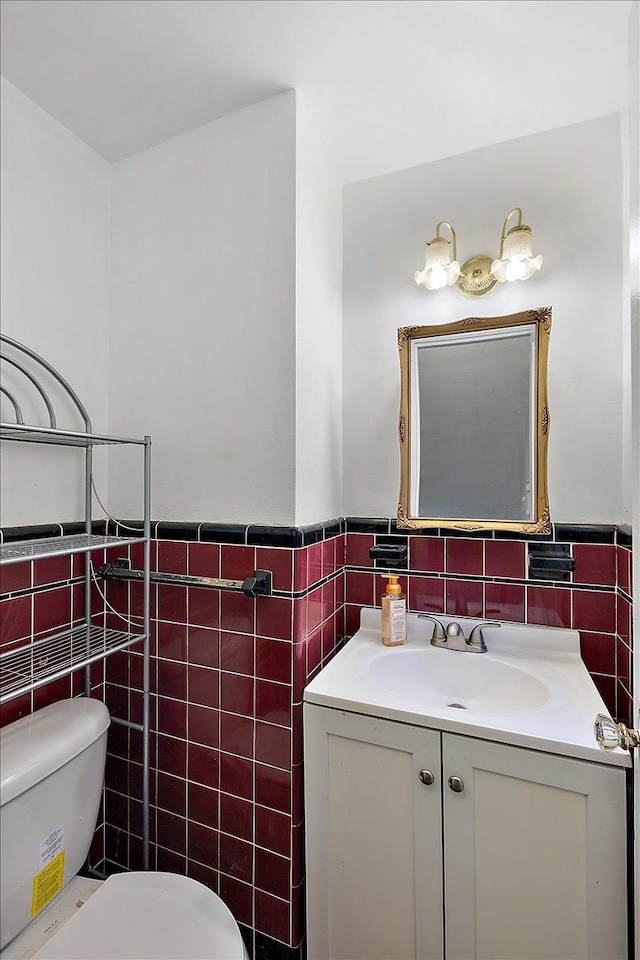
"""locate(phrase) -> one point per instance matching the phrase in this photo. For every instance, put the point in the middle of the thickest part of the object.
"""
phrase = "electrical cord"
(106, 512)
(129, 619)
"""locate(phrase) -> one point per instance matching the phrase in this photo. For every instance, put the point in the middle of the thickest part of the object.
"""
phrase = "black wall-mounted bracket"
(391, 555)
(551, 561)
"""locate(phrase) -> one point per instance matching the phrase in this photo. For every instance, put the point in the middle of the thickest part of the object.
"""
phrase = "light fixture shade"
(439, 269)
(516, 258)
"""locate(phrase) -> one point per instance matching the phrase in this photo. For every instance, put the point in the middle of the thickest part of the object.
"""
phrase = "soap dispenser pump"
(394, 613)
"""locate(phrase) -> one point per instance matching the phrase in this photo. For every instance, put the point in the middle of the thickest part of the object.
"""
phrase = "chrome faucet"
(453, 638)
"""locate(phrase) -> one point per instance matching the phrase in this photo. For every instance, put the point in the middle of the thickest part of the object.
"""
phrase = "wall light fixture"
(479, 274)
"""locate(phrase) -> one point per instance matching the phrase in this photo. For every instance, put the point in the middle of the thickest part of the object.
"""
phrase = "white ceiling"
(390, 83)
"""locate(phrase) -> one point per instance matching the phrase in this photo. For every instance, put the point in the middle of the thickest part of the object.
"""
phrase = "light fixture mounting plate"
(476, 278)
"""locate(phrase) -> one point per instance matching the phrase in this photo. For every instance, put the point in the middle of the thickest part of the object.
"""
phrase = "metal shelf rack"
(18, 550)
(64, 438)
(28, 666)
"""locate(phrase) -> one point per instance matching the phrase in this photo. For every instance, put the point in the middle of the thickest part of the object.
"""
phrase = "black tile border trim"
(40, 588)
(262, 535)
(39, 531)
(274, 535)
(281, 594)
(584, 533)
(333, 528)
(368, 525)
(561, 532)
(220, 533)
(73, 529)
(625, 536)
(472, 578)
(423, 574)
(169, 530)
(301, 594)
(124, 528)
(242, 534)
(516, 535)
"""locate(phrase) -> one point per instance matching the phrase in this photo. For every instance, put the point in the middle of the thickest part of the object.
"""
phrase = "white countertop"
(530, 689)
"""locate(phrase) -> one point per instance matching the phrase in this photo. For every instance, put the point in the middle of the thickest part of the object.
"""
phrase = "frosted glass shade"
(439, 269)
(517, 261)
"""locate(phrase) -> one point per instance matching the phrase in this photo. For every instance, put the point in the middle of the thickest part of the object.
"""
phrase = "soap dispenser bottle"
(394, 613)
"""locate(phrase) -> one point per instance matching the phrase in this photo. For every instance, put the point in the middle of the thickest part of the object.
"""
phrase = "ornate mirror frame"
(540, 523)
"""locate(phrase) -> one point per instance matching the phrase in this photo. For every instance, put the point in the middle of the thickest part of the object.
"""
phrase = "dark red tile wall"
(39, 599)
(480, 577)
(228, 675)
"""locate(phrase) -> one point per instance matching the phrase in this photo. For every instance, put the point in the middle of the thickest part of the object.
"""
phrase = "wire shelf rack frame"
(41, 549)
(31, 383)
(33, 665)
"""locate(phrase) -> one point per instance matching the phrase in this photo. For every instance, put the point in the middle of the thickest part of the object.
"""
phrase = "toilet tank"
(51, 774)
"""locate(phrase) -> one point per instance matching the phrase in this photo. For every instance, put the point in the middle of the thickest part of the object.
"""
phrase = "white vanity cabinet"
(374, 838)
(426, 844)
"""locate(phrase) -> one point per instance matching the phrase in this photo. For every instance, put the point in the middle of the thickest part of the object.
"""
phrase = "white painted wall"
(210, 318)
(318, 488)
(568, 182)
(203, 322)
(225, 319)
(55, 294)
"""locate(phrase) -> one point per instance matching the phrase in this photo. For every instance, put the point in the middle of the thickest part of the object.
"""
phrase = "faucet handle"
(438, 630)
(476, 637)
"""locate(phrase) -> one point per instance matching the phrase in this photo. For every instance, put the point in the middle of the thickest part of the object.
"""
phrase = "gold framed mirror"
(474, 424)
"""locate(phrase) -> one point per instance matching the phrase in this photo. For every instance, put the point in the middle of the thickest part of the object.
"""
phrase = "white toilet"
(52, 768)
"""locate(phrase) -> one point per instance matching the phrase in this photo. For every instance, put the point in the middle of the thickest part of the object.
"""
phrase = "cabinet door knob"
(611, 735)
(456, 784)
(426, 777)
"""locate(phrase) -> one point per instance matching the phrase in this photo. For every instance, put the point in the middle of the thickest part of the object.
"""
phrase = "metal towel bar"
(259, 584)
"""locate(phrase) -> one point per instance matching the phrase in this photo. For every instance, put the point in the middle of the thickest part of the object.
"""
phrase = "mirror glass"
(474, 424)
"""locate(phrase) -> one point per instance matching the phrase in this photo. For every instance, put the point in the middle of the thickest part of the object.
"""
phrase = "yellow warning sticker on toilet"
(47, 884)
(48, 881)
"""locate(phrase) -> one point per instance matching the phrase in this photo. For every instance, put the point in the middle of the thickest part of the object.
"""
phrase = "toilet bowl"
(147, 915)
(51, 766)
(131, 916)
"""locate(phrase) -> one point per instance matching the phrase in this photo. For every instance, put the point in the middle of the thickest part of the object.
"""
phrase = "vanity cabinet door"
(534, 855)
(374, 840)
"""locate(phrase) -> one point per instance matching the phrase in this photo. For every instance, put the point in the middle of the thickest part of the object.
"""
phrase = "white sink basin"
(460, 681)
(530, 688)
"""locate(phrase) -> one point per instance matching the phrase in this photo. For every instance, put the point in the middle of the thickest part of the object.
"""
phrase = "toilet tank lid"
(36, 746)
